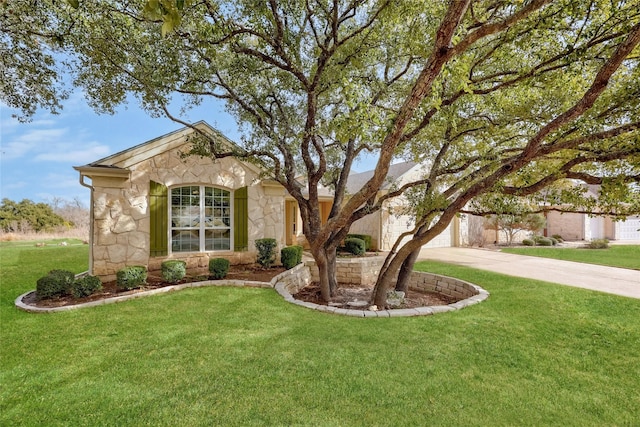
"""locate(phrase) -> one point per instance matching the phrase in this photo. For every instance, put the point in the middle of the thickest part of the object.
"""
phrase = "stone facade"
(121, 210)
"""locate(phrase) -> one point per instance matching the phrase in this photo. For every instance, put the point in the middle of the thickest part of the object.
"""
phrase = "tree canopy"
(504, 97)
(27, 216)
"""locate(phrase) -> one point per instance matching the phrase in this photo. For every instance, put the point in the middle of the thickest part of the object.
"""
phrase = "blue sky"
(37, 158)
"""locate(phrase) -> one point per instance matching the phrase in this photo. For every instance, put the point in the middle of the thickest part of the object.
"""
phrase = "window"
(200, 219)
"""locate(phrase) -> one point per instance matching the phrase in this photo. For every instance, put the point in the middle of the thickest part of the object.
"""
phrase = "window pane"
(196, 210)
(185, 241)
(217, 240)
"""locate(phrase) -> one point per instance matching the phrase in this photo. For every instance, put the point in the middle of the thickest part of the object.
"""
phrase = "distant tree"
(28, 216)
(73, 211)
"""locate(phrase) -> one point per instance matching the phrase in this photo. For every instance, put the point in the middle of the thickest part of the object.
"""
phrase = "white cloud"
(68, 152)
(53, 145)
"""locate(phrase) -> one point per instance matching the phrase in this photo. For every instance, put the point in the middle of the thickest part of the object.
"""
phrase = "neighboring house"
(387, 224)
(578, 226)
(149, 204)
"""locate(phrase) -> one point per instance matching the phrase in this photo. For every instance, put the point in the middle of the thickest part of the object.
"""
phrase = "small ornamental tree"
(266, 251)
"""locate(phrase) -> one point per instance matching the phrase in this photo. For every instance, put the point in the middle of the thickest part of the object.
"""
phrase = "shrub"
(598, 244)
(558, 237)
(299, 250)
(218, 267)
(528, 242)
(554, 241)
(266, 251)
(544, 242)
(131, 277)
(56, 283)
(291, 256)
(355, 246)
(85, 286)
(173, 270)
(365, 237)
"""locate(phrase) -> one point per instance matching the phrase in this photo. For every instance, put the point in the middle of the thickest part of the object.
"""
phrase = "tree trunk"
(331, 270)
(323, 273)
(404, 274)
(385, 279)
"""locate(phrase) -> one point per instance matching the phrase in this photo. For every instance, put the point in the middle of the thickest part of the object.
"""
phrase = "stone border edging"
(236, 283)
(294, 277)
(481, 295)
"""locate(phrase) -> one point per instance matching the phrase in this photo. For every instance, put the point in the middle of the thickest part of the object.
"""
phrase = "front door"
(291, 222)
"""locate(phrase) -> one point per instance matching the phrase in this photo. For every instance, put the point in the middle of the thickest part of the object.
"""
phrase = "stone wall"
(121, 234)
(353, 270)
(455, 288)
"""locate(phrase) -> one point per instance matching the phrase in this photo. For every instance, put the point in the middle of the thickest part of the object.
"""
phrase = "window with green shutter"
(159, 211)
(240, 220)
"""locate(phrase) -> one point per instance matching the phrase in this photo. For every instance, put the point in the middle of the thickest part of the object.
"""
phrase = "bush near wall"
(218, 267)
(55, 283)
(365, 237)
(131, 277)
(173, 270)
(85, 286)
(355, 246)
(266, 251)
(291, 256)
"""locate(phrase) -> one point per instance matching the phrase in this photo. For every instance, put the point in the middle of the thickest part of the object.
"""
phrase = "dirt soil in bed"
(346, 293)
(252, 272)
(349, 292)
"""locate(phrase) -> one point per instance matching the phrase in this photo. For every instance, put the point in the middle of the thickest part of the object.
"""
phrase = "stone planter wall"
(361, 271)
(455, 288)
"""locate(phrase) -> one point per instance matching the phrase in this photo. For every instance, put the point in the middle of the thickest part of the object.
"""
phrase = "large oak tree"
(501, 97)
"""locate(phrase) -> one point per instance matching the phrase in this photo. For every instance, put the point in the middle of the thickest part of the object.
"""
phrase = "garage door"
(404, 223)
(629, 229)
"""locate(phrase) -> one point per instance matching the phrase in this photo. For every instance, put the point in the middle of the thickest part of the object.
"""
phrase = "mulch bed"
(348, 292)
(252, 272)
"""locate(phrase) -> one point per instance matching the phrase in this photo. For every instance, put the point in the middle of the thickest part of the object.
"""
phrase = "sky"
(37, 158)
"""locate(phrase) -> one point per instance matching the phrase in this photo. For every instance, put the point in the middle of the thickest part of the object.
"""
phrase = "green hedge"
(291, 256)
(131, 277)
(56, 283)
(355, 246)
(85, 286)
(218, 267)
(365, 237)
(174, 270)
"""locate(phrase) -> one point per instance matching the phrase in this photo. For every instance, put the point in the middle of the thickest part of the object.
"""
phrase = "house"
(387, 224)
(149, 204)
(579, 226)
(573, 226)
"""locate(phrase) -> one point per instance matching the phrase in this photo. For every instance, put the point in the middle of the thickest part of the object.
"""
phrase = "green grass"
(532, 354)
(624, 256)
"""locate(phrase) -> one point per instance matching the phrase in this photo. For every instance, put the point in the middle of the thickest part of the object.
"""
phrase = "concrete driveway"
(618, 281)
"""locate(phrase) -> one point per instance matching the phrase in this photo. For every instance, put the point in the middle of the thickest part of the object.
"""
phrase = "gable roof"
(357, 180)
(124, 159)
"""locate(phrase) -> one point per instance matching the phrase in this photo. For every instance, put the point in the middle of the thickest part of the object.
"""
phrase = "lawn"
(532, 354)
(624, 256)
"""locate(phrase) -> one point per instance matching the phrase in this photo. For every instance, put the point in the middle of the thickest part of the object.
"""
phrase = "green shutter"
(159, 211)
(240, 220)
